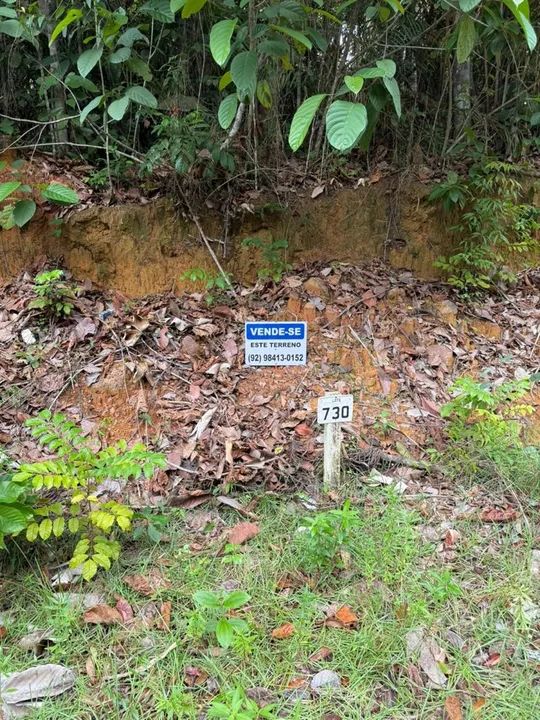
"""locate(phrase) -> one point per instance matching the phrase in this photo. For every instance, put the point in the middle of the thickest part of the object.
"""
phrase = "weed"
(322, 537)
(273, 252)
(384, 424)
(441, 586)
(235, 705)
(214, 285)
(176, 704)
(78, 471)
(53, 295)
(218, 606)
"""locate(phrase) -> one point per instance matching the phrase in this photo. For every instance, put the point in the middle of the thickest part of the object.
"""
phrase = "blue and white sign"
(276, 343)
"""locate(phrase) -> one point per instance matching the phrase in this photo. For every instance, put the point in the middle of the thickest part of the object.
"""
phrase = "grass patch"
(475, 604)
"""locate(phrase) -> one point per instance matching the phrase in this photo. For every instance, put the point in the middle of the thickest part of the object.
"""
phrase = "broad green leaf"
(191, 7)
(142, 96)
(120, 55)
(274, 48)
(227, 111)
(220, 40)
(61, 194)
(264, 94)
(12, 520)
(302, 120)
(58, 526)
(7, 188)
(224, 633)
(45, 529)
(236, 599)
(160, 10)
(10, 491)
(244, 73)
(117, 109)
(23, 212)
(75, 82)
(370, 73)
(466, 38)
(387, 66)
(32, 532)
(391, 85)
(130, 36)
(207, 599)
(354, 82)
(87, 109)
(225, 80)
(535, 119)
(13, 28)
(89, 569)
(140, 67)
(345, 122)
(468, 5)
(71, 16)
(8, 12)
(176, 5)
(522, 18)
(396, 6)
(298, 36)
(88, 60)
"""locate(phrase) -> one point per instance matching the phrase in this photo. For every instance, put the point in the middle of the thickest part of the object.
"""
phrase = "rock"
(316, 287)
(535, 564)
(28, 337)
(324, 680)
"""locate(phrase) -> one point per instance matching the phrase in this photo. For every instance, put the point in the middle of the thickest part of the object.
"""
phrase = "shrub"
(322, 537)
(53, 295)
(74, 480)
(493, 225)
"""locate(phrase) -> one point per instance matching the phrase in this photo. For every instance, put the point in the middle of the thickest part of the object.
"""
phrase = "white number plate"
(334, 409)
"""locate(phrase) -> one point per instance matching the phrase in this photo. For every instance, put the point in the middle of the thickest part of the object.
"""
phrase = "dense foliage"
(222, 87)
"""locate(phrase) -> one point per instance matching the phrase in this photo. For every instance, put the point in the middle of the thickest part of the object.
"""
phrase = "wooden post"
(332, 456)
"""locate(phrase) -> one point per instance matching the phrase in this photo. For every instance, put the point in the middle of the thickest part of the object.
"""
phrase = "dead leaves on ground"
(499, 515)
(283, 632)
(148, 616)
(341, 617)
(243, 532)
(149, 584)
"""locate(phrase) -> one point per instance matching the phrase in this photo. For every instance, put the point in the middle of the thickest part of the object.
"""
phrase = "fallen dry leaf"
(324, 653)
(102, 615)
(163, 622)
(303, 430)
(243, 532)
(297, 682)
(346, 616)
(148, 584)
(478, 704)
(452, 706)
(194, 676)
(493, 660)
(125, 610)
(283, 632)
(497, 515)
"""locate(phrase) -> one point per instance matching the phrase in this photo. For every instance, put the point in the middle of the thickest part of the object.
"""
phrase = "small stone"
(535, 564)
(28, 337)
(316, 287)
(324, 680)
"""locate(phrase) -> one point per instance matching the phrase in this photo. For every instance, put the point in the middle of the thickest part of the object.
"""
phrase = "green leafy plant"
(323, 537)
(494, 226)
(176, 704)
(441, 586)
(53, 295)
(214, 284)
(235, 705)
(486, 413)
(74, 477)
(15, 505)
(18, 198)
(274, 257)
(217, 607)
(150, 524)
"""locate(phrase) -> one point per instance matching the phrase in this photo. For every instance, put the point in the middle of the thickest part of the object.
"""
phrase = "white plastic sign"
(276, 343)
(334, 409)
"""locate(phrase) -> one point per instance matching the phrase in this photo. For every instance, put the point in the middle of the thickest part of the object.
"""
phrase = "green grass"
(391, 579)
